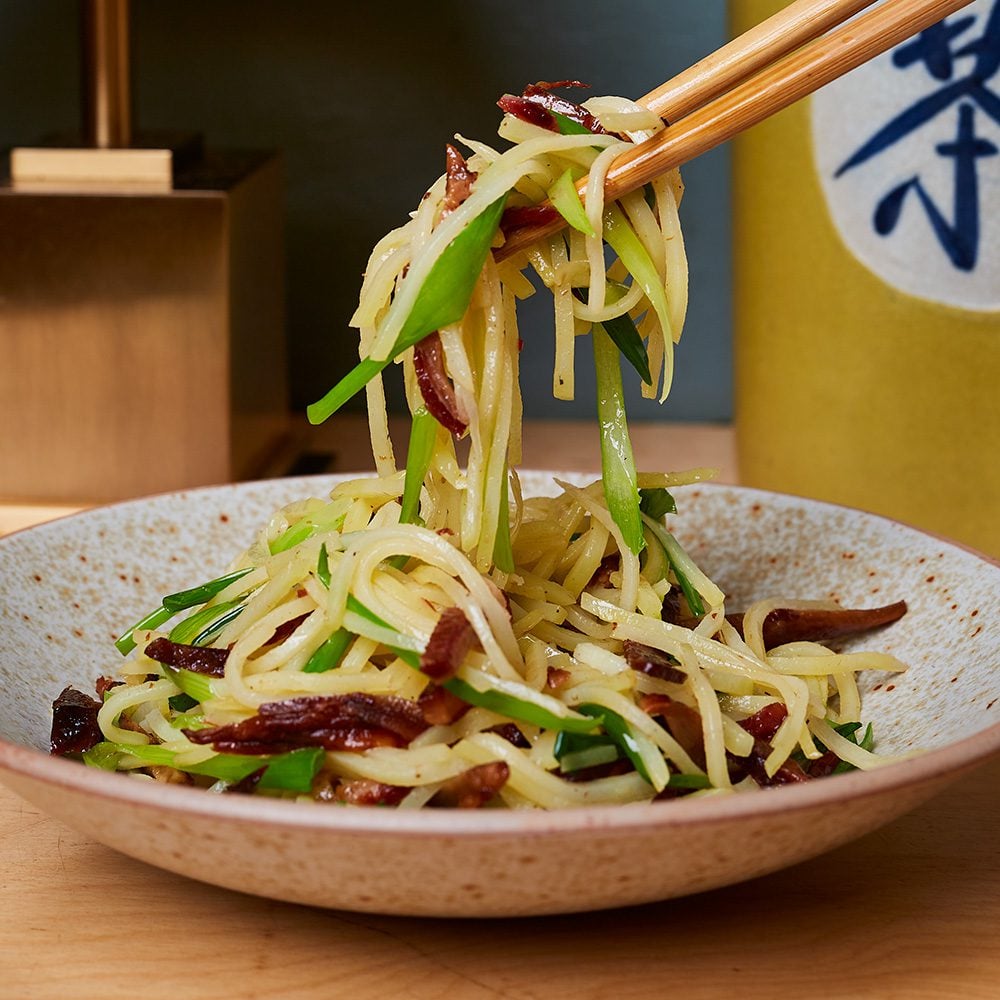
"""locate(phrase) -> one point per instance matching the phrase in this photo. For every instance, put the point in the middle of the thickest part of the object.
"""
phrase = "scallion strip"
(621, 237)
(423, 434)
(196, 686)
(518, 708)
(566, 202)
(202, 622)
(620, 731)
(173, 603)
(617, 464)
(503, 551)
(443, 299)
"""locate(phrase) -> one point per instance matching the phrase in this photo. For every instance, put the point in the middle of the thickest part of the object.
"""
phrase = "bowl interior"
(68, 588)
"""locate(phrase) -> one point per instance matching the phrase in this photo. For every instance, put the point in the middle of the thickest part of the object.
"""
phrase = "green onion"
(195, 685)
(566, 202)
(689, 781)
(329, 655)
(621, 237)
(203, 622)
(423, 434)
(567, 126)
(656, 502)
(181, 703)
(503, 552)
(443, 299)
(617, 463)
(292, 536)
(210, 631)
(619, 731)
(190, 720)
(674, 552)
(575, 751)
(290, 772)
(849, 730)
(185, 599)
(604, 753)
(323, 567)
(518, 708)
(173, 603)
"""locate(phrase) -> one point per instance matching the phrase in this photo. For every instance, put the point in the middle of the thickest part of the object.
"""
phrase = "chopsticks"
(771, 66)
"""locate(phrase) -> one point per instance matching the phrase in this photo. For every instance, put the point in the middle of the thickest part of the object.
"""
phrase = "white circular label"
(907, 152)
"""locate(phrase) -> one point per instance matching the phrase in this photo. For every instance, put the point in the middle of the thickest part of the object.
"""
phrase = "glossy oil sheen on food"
(868, 362)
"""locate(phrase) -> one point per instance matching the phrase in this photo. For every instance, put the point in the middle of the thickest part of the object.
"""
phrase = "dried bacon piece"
(473, 788)
(602, 575)
(284, 630)
(652, 662)
(556, 677)
(762, 725)
(537, 104)
(74, 722)
(440, 707)
(513, 735)
(337, 722)
(683, 722)
(435, 385)
(448, 645)
(519, 216)
(459, 178)
(753, 764)
(670, 612)
(199, 659)
(365, 792)
(823, 766)
(104, 685)
(816, 624)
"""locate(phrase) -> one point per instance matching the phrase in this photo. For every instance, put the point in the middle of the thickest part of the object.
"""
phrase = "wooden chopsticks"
(752, 77)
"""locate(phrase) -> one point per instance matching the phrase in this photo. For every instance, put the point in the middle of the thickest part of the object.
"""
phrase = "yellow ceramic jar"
(867, 284)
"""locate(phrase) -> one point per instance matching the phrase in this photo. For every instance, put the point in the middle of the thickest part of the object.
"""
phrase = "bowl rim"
(920, 768)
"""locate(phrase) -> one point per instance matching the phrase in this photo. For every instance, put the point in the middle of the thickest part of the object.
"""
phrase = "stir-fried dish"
(428, 636)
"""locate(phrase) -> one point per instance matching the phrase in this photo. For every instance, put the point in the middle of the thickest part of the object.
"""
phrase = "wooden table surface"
(911, 911)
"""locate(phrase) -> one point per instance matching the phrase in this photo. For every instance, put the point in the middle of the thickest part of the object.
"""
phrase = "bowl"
(69, 586)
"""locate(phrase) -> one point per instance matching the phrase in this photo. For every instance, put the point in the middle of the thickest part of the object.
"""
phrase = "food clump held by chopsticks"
(428, 636)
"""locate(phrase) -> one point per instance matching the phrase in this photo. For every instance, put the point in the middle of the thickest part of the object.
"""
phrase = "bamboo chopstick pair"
(752, 77)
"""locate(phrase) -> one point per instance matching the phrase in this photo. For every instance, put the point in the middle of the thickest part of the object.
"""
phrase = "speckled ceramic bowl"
(66, 588)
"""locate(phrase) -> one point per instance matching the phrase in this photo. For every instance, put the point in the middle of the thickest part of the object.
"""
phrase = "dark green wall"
(361, 98)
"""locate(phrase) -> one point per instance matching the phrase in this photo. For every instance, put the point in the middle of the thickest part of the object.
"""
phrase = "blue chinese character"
(933, 49)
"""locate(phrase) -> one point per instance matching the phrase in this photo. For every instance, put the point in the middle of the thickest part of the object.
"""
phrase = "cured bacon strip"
(537, 104)
(513, 735)
(365, 792)
(104, 685)
(815, 624)
(683, 722)
(74, 722)
(519, 216)
(199, 659)
(459, 178)
(652, 662)
(556, 678)
(439, 707)
(753, 764)
(435, 385)
(473, 788)
(602, 575)
(337, 722)
(762, 725)
(448, 645)
(285, 629)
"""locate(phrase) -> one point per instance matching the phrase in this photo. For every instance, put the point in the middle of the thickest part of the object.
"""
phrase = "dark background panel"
(361, 99)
